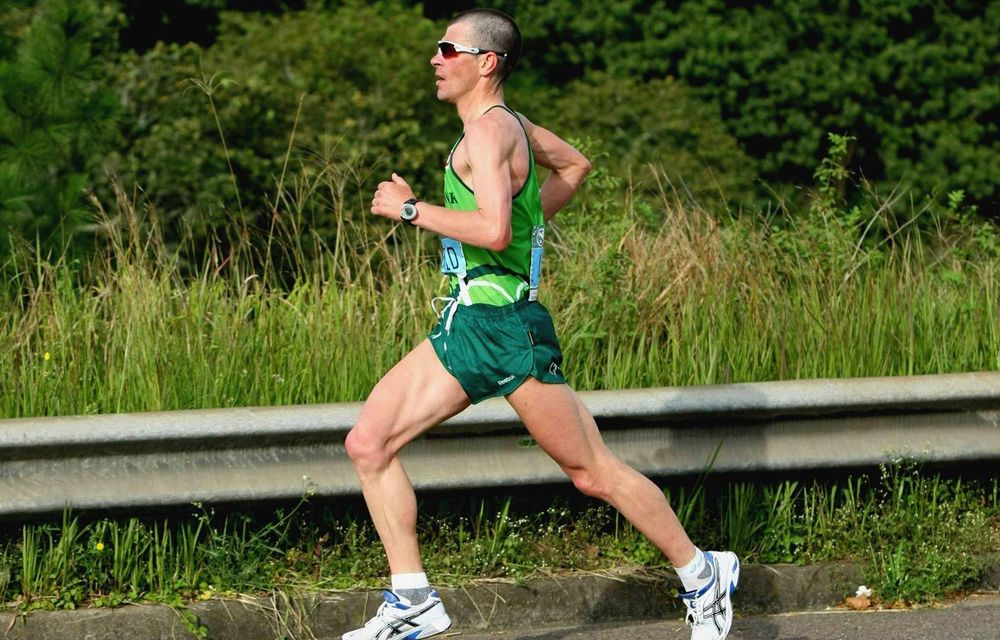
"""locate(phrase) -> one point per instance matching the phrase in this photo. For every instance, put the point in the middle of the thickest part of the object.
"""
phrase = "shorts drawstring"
(450, 307)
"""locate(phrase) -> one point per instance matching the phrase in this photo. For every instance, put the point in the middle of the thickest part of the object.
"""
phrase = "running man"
(493, 338)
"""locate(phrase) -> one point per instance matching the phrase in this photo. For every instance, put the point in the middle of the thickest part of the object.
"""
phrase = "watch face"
(408, 212)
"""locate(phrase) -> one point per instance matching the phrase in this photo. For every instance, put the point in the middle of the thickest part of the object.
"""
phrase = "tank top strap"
(527, 140)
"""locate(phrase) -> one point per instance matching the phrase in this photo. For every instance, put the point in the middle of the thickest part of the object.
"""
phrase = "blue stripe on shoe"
(736, 569)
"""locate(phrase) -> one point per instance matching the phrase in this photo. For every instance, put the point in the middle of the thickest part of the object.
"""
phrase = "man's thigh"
(559, 422)
(416, 394)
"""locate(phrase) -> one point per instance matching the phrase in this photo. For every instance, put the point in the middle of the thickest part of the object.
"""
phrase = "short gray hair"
(496, 31)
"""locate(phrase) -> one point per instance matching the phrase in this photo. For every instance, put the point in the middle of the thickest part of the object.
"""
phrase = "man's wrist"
(408, 212)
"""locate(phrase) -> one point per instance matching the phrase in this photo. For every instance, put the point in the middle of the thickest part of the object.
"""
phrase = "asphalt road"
(976, 618)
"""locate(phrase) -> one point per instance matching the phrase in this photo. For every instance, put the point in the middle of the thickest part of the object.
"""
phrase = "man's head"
(495, 31)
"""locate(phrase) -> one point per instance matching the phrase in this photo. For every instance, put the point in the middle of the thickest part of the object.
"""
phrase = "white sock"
(695, 574)
(409, 581)
(412, 586)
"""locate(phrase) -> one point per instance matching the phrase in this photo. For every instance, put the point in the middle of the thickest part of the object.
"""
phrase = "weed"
(918, 537)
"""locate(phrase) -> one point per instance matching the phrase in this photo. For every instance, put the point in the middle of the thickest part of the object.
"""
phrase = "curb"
(574, 600)
(560, 601)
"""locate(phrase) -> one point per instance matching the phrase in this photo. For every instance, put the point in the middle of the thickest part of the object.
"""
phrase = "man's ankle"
(412, 586)
(696, 573)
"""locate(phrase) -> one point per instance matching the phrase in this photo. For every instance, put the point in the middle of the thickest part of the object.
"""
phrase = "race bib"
(535, 275)
(452, 257)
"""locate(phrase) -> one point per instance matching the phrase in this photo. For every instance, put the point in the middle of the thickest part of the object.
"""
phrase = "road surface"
(975, 618)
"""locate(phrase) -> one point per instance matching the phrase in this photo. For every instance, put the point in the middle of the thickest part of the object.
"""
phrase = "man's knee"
(590, 482)
(365, 448)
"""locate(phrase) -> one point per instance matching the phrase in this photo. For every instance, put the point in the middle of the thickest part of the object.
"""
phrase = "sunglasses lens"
(447, 50)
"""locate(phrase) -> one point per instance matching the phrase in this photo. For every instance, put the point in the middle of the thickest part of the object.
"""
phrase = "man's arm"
(489, 225)
(569, 167)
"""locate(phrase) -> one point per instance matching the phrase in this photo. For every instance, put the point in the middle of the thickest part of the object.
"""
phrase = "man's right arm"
(569, 167)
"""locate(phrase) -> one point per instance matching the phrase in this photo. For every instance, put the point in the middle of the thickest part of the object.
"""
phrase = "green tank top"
(481, 276)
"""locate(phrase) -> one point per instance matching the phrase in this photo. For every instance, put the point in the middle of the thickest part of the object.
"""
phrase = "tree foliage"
(725, 95)
(57, 117)
(914, 82)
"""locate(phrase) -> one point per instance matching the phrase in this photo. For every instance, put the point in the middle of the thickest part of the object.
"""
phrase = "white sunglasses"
(451, 50)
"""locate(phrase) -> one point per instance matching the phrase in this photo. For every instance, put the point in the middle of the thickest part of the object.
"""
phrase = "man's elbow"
(584, 166)
(500, 238)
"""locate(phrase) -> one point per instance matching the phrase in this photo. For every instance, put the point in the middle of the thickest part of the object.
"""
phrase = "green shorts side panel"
(491, 350)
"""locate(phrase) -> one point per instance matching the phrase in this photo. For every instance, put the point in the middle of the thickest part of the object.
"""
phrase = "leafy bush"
(906, 80)
(358, 111)
(657, 122)
(325, 77)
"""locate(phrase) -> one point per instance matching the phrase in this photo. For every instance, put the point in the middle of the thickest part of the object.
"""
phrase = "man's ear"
(489, 63)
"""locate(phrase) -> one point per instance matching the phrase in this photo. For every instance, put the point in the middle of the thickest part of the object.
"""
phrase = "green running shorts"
(491, 350)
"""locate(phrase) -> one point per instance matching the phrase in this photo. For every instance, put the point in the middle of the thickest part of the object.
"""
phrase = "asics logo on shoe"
(710, 609)
(395, 629)
(716, 608)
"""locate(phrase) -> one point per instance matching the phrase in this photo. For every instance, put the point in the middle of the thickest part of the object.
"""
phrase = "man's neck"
(475, 103)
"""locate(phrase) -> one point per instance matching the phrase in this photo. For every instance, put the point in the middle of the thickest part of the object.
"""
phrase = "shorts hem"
(500, 393)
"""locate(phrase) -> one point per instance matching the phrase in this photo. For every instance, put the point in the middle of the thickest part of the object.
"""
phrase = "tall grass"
(647, 289)
(917, 536)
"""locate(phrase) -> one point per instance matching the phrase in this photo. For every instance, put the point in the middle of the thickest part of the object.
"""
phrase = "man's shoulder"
(496, 126)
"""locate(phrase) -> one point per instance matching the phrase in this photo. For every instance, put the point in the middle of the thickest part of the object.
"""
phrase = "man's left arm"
(568, 167)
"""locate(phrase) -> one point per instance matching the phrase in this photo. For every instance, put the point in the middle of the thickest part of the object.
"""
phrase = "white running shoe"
(397, 619)
(710, 609)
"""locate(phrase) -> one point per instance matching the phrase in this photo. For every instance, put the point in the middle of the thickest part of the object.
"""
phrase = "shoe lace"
(693, 616)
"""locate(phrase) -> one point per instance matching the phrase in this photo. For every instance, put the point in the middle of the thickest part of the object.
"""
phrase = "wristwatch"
(408, 213)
